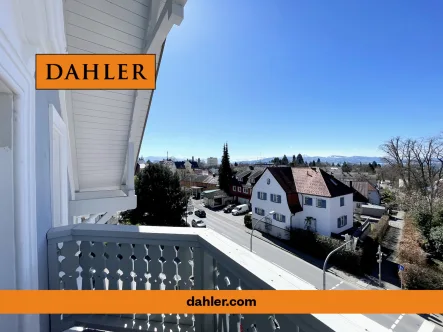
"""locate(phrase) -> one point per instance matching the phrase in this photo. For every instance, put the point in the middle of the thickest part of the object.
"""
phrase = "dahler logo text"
(95, 71)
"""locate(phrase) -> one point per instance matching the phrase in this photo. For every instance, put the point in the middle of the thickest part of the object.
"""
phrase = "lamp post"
(253, 228)
(348, 242)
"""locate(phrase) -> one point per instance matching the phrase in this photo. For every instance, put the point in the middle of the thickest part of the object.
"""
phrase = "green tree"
(284, 160)
(276, 161)
(346, 167)
(225, 171)
(235, 164)
(293, 160)
(300, 160)
(160, 200)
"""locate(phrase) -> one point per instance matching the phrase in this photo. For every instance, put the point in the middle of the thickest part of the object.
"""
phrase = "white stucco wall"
(337, 211)
(272, 188)
(326, 218)
(321, 215)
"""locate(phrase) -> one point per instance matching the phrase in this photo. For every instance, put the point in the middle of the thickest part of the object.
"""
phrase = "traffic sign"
(401, 267)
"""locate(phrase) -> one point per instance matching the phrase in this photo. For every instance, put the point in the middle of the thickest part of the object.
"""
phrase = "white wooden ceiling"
(103, 121)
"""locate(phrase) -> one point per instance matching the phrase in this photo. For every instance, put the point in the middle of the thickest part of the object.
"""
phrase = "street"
(232, 227)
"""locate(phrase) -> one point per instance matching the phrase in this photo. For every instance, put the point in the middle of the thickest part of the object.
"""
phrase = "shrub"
(410, 250)
(378, 231)
(369, 251)
(248, 220)
(320, 246)
(371, 243)
(423, 220)
(421, 277)
(436, 238)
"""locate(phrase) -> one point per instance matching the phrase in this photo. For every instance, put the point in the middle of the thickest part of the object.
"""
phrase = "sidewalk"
(367, 282)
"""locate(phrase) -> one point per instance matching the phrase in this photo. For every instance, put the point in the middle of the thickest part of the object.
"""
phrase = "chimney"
(350, 184)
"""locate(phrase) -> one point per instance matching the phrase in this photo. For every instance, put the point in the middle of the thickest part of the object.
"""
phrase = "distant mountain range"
(328, 159)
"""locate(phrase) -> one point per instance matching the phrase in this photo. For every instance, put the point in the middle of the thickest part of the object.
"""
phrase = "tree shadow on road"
(433, 318)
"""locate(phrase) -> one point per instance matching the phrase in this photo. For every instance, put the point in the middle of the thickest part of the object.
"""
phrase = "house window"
(321, 203)
(239, 189)
(259, 211)
(342, 221)
(234, 188)
(245, 191)
(308, 201)
(279, 217)
(342, 201)
(261, 196)
(275, 198)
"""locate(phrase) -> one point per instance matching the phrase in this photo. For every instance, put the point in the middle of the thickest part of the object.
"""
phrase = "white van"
(240, 209)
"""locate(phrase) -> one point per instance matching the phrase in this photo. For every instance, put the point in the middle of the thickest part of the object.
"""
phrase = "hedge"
(320, 246)
(248, 221)
(378, 230)
(410, 250)
(371, 243)
(417, 277)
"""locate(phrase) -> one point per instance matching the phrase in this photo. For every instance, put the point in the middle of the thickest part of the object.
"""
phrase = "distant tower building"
(213, 162)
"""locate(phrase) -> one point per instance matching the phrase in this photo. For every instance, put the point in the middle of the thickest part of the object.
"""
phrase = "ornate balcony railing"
(116, 257)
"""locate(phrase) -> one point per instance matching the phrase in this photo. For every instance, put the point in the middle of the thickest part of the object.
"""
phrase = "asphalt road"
(233, 228)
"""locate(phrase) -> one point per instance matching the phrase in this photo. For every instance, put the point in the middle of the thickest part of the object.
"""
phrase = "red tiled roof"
(311, 181)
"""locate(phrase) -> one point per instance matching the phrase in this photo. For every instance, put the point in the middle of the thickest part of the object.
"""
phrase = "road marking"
(337, 285)
(398, 321)
(285, 270)
(426, 326)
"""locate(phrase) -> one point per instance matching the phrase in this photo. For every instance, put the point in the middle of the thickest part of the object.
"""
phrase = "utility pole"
(380, 255)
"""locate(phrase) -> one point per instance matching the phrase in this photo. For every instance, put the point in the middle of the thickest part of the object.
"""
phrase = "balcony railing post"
(55, 321)
(204, 265)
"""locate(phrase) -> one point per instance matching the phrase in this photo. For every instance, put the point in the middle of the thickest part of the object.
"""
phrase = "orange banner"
(233, 302)
(95, 71)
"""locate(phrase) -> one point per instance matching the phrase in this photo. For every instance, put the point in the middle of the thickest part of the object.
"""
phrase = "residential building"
(351, 176)
(212, 162)
(53, 173)
(243, 182)
(366, 189)
(170, 164)
(215, 198)
(301, 197)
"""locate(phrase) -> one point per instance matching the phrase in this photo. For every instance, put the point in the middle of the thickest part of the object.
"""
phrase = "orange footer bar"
(207, 302)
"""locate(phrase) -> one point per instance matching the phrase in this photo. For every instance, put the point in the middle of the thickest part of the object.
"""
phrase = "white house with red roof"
(301, 197)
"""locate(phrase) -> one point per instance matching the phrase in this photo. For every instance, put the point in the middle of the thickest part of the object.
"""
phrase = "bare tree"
(419, 163)
(398, 155)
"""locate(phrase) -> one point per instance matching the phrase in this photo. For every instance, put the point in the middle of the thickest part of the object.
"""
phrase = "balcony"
(116, 257)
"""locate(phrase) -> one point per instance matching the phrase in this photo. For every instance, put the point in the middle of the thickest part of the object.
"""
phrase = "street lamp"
(253, 228)
(348, 242)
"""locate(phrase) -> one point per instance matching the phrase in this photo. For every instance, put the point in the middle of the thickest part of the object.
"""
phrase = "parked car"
(198, 223)
(229, 208)
(240, 209)
(200, 213)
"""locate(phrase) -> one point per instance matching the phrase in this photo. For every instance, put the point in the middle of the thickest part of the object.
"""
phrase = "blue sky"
(297, 76)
